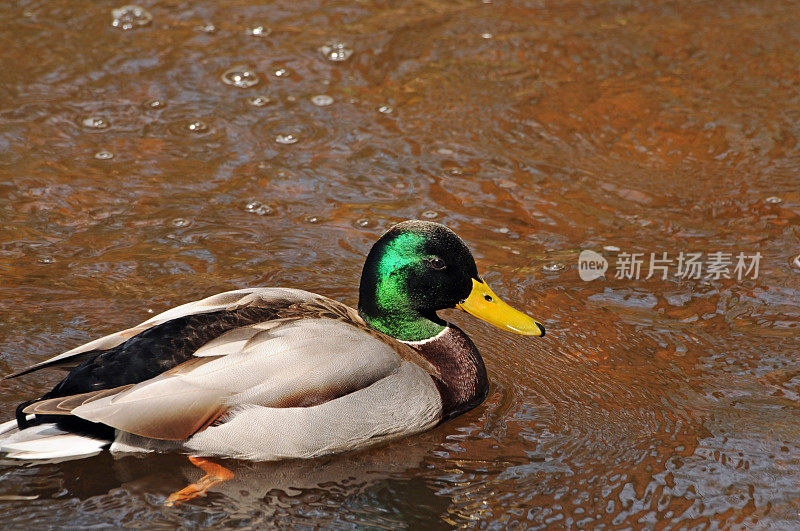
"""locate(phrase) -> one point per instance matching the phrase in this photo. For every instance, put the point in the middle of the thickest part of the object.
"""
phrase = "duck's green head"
(420, 267)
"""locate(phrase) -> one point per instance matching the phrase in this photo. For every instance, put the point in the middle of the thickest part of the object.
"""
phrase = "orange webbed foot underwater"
(215, 474)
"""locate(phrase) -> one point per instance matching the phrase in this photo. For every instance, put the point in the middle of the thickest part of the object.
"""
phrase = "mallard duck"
(277, 373)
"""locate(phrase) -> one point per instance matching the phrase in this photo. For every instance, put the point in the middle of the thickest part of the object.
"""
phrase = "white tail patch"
(8, 426)
(47, 442)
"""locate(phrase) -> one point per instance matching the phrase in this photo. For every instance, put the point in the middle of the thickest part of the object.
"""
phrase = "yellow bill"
(485, 305)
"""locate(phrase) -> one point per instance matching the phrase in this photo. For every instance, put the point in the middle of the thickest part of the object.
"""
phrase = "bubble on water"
(366, 223)
(312, 219)
(103, 155)
(430, 214)
(259, 31)
(259, 208)
(773, 200)
(95, 122)
(155, 104)
(553, 267)
(445, 151)
(385, 109)
(207, 28)
(129, 17)
(282, 72)
(796, 261)
(503, 230)
(27, 14)
(150, 310)
(240, 76)
(486, 35)
(321, 100)
(180, 222)
(259, 101)
(291, 98)
(288, 138)
(197, 126)
(455, 171)
(46, 260)
(611, 248)
(336, 51)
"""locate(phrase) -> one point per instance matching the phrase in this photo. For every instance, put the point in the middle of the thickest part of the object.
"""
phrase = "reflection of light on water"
(257, 207)
(321, 100)
(180, 222)
(95, 122)
(240, 76)
(288, 138)
(129, 17)
(259, 101)
(259, 31)
(336, 51)
(197, 126)
(365, 223)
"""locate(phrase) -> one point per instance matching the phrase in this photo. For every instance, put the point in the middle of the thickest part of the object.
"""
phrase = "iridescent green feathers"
(415, 269)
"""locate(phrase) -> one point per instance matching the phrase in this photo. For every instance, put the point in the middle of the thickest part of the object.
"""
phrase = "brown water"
(535, 130)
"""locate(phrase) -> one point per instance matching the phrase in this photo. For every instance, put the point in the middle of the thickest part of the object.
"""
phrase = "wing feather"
(292, 363)
(164, 409)
(64, 405)
(228, 300)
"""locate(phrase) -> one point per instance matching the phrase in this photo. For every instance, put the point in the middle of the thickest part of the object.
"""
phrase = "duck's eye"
(435, 263)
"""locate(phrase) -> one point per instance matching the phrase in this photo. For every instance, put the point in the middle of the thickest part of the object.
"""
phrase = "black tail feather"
(22, 418)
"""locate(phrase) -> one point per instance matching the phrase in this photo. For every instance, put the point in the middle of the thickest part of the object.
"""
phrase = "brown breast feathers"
(462, 379)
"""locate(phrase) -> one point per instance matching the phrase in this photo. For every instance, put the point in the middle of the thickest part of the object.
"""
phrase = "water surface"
(213, 147)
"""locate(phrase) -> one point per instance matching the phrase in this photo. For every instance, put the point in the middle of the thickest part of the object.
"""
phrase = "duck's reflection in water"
(268, 487)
